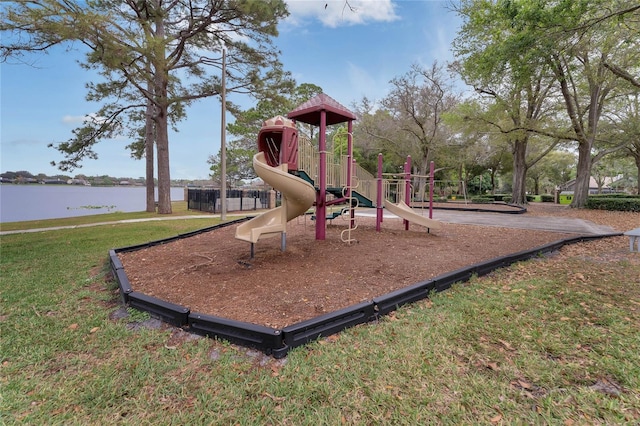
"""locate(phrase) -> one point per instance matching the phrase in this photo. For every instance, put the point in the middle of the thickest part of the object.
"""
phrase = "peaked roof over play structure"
(309, 112)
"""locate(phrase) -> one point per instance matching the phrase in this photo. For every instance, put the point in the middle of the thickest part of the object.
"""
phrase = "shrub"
(614, 195)
(498, 197)
(547, 198)
(482, 200)
(627, 204)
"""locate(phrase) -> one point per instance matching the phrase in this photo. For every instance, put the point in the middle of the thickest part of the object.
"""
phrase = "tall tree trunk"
(637, 158)
(161, 82)
(164, 176)
(149, 143)
(150, 182)
(422, 181)
(583, 175)
(493, 173)
(519, 182)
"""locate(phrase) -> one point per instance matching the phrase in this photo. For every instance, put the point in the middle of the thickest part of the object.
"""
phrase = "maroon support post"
(321, 208)
(407, 188)
(432, 168)
(351, 163)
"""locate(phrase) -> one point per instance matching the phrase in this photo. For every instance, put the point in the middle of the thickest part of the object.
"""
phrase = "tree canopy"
(166, 53)
(568, 43)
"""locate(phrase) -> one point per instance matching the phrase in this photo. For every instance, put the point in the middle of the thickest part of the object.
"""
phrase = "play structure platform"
(308, 177)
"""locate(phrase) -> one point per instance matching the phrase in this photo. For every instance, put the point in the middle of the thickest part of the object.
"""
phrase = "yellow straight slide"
(297, 196)
(404, 211)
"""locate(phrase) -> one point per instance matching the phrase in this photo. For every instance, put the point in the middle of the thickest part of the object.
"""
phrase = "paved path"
(87, 225)
(520, 221)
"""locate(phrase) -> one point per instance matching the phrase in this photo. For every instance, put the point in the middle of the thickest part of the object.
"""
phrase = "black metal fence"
(208, 200)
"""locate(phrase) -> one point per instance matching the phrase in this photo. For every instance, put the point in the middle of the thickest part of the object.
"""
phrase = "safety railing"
(309, 160)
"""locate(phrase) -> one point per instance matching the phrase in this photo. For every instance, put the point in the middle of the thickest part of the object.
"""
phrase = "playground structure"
(306, 176)
(282, 163)
(402, 207)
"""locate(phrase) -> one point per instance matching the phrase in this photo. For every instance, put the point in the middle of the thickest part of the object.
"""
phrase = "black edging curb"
(277, 343)
(517, 209)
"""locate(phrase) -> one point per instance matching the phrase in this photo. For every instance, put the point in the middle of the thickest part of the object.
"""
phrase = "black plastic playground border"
(517, 209)
(278, 342)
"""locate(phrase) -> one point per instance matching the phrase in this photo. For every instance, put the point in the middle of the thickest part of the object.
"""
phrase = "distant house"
(77, 182)
(125, 183)
(593, 186)
(625, 184)
(257, 183)
(201, 184)
(53, 182)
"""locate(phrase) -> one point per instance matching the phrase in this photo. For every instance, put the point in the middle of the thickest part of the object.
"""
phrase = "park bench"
(634, 239)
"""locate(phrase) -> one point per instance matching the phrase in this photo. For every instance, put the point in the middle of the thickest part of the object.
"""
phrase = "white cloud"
(335, 13)
(440, 43)
(362, 83)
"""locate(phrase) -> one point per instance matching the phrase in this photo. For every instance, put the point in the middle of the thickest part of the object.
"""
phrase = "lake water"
(35, 202)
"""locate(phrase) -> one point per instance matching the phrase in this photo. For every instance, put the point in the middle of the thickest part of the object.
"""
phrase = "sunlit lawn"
(542, 342)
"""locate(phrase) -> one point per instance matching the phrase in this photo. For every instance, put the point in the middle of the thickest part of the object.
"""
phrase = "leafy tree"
(524, 36)
(622, 127)
(375, 132)
(515, 96)
(9, 175)
(23, 174)
(152, 48)
(626, 15)
(412, 120)
(248, 122)
(587, 95)
(476, 156)
(339, 142)
(553, 170)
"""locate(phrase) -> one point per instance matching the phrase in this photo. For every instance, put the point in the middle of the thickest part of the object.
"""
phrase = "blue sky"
(348, 54)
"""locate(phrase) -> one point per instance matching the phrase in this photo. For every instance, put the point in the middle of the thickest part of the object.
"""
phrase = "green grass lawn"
(536, 343)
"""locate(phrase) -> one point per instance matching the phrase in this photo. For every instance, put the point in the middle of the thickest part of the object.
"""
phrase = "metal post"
(223, 141)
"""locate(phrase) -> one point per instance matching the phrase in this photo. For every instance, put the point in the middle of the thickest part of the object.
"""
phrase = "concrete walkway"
(519, 221)
(88, 225)
(523, 221)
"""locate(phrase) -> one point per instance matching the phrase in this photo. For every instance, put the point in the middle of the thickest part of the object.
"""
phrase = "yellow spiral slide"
(297, 196)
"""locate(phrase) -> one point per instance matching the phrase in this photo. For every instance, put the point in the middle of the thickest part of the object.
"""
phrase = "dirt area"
(212, 272)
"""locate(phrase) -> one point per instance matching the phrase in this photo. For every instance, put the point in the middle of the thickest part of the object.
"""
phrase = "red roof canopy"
(309, 112)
